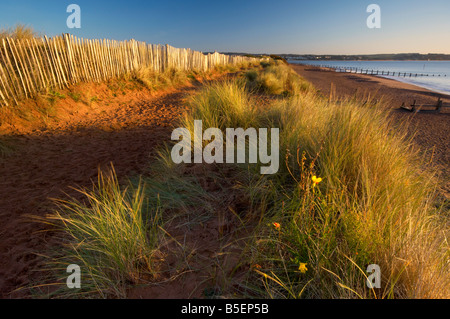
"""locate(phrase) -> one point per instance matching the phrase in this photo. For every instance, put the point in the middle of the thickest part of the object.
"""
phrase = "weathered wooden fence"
(29, 66)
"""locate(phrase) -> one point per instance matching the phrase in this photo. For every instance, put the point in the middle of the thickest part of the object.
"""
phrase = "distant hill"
(371, 57)
(368, 57)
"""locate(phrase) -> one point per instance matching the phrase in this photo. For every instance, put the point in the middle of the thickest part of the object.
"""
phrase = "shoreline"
(347, 83)
(363, 60)
(417, 87)
(400, 79)
(428, 130)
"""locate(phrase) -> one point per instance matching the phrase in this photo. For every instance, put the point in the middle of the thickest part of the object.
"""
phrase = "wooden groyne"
(357, 70)
(419, 107)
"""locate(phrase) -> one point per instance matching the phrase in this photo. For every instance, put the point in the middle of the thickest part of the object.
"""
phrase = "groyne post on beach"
(415, 108)
(356, 70)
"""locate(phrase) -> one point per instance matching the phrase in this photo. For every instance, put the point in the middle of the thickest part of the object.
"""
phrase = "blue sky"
(274, 26)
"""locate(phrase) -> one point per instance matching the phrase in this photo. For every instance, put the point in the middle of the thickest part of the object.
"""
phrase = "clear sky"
(264, 26)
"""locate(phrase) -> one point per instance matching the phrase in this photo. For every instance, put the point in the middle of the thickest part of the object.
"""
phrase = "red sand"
(47, 164)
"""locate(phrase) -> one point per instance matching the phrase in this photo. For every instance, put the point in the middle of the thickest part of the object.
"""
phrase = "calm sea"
(438, 84)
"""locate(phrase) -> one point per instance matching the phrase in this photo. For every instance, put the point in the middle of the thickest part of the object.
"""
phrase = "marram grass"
(375, 203)
(351, 191)
(113, 236)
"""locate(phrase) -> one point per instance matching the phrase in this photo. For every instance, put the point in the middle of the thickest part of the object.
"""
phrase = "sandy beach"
(430, 130)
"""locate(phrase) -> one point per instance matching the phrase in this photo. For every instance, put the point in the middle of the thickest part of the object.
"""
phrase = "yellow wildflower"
(302, 268)
(277, 226)
(316, 180)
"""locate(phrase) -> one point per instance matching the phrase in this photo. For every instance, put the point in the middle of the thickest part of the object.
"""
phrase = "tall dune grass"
(20, 31)
(352, 192)
(159, 80)
(114, 236)
(375, 204)
(220, 105)
(277, 79)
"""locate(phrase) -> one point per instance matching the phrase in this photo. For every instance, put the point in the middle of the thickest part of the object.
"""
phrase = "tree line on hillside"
(367, 57)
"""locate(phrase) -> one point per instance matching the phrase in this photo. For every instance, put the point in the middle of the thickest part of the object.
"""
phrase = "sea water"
(440, 82)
